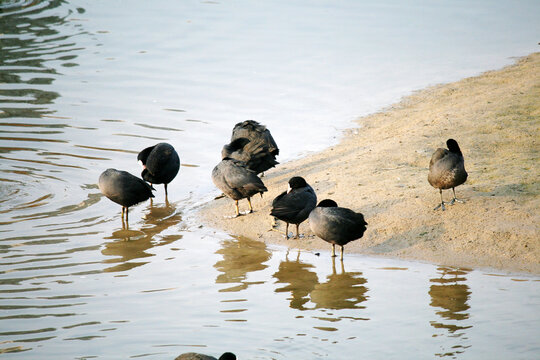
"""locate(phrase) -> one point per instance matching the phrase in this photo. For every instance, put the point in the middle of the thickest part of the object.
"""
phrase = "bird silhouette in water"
(336, 225)
(253, 144)
(294, 205)
(124, 189)
(160, 164)
(447, 170)
(237, 181)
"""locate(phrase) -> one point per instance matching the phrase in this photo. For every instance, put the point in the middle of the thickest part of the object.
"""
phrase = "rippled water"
(86, 85)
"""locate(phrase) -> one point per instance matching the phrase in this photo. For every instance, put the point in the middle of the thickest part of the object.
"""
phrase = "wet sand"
(380, 169)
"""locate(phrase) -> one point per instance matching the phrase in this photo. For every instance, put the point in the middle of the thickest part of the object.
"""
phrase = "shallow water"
(88, 84)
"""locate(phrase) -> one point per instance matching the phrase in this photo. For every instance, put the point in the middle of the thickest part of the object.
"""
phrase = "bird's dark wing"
(294, 204)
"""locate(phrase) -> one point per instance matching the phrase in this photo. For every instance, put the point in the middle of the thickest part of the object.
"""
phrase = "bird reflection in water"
(241, 256)
(340, 291)
(129, 244)
(300, 281)
(450, 294)
(345, 290)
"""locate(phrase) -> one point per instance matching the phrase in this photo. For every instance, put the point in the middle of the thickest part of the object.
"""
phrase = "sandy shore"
(380, 169)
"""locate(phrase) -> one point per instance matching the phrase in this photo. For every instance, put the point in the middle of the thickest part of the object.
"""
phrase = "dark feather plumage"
(447, 169)
(123, 188)
(160, 164)
(197, 356)
(293, 206)
(336, 225)
(236, 181)
(253, 144)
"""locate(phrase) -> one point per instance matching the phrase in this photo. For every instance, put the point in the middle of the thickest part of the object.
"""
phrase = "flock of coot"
(250, 152)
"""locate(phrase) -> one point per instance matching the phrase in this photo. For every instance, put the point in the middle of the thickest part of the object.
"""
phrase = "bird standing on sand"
(336, 225)
(294, 205)
(447, 170)
(160, 164)
(124, 189)
(236, 181)
(253, 144)
(197, 356)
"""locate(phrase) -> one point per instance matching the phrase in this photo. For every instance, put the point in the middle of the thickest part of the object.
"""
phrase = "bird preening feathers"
(253, 144)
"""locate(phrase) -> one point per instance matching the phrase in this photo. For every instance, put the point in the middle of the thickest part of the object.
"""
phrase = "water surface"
(86, 85)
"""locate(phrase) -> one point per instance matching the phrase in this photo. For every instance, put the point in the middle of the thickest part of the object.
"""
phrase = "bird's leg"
(166, 190)
(250, 207)
(455, 199)
(123, 211)
(342, 249)
(287, 231)
(441, 205)
(298, 231)
(333, 250)
(127, 212)
(237, 211)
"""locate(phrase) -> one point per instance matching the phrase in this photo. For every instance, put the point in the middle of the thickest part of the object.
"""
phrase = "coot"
(124, 189)
(336, 225)
(196, 356)
(237, 181)
(447, 170)
(160, 164)
(253, 144)
(294, 205)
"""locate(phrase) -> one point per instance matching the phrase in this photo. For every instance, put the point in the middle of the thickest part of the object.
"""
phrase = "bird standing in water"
(294, 205)
(124, 189)
(447, 170)
(160, 164)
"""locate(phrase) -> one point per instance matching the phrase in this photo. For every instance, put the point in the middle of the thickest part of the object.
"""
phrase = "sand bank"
(380, 169)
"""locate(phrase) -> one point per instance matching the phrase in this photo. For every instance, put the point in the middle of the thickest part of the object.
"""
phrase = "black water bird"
(447, 170)
(237, 181)
(197, 356)
(124, 189)
(294, 205)
(253, 144)
(160, 164)
(336, 225)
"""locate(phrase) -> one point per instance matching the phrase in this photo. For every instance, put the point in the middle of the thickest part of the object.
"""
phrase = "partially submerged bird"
(336, 225)
(160, 164)
(447, 170)
(197, 356)
(253, 144)
(294, 205)
(236, 181)
(124, 189)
